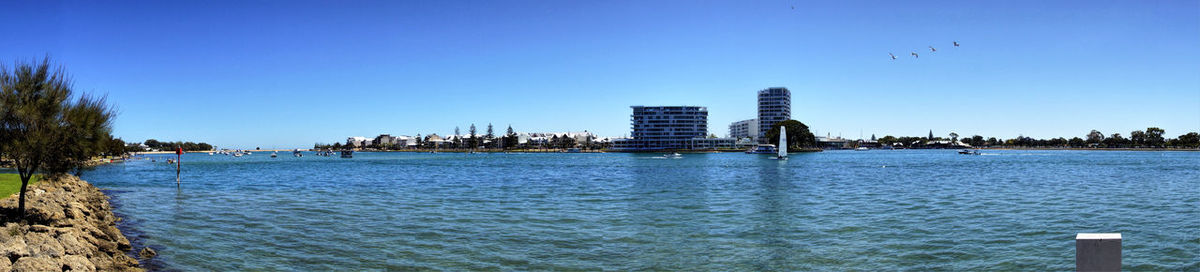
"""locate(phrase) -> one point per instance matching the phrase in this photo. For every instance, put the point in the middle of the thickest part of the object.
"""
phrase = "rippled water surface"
(839, 210)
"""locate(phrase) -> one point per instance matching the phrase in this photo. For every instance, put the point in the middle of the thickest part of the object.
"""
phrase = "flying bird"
(955, 43)
(931, 49)
(914, 54)
(893, 56)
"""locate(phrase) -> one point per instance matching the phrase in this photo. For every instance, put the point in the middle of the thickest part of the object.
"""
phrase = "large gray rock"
(5, 264)
(41, 244)
(147, 253)
(77, 263)
(72, 245)
(41, 263)
(15, 247)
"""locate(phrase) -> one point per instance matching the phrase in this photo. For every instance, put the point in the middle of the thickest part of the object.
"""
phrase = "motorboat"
(862, 148)
(673, 156)
(763, 149)
(346, 154)
(968, 152)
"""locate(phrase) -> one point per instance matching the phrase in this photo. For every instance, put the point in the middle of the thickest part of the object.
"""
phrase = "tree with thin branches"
(42, 129)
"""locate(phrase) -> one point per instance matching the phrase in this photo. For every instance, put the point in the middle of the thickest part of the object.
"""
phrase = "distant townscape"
(685, 128)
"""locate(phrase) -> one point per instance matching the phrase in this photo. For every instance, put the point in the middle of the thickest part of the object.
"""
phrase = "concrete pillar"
(1098, 252)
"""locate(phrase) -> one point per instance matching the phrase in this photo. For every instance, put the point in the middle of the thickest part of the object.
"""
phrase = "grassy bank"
(11, 184)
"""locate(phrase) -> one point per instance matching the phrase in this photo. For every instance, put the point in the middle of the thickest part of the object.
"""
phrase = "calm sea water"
(840, 210)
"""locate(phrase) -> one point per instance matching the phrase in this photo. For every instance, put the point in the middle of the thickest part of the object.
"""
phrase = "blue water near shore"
(839, 210)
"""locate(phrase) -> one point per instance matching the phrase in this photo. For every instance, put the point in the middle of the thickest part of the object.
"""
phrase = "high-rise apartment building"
(774, 106)
(666, 127)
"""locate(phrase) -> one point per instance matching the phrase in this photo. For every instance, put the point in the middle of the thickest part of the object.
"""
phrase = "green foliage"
(1095, 137)
(1154, 136)
(171, 146)
(1191, 140)
(41, 128)
(797, 134)
(1076, 142)
(1137, 138)
(888, 140)
(510, 138)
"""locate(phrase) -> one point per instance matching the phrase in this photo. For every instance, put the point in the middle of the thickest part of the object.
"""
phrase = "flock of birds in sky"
(916, 56)
(914, 53)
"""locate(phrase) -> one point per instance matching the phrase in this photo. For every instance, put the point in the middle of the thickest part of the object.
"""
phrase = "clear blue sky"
(291, 73)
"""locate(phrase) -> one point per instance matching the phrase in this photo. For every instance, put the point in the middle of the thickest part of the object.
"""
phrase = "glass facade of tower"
(774, 106)
(666, 127)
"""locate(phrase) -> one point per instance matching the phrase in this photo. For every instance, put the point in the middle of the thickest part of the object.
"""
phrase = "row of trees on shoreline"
(170, 146)
(510, 140)
(1152, 137)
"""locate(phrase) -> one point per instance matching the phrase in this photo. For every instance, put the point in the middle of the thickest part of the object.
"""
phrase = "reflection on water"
(878, 210)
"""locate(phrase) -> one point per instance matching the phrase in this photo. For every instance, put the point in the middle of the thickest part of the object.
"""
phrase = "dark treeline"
(171, 146)
(1152, 137)
(510, 140)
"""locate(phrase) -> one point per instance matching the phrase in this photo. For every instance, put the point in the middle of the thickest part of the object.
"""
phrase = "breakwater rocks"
(69, 227)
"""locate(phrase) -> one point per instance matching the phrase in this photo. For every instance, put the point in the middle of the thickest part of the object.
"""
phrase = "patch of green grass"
(11, 184)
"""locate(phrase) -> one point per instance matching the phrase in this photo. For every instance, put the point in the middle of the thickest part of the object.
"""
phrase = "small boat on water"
(673, 156)
(968, 152)
(297, 153)
(862, 148)
(346, 154)
(763, 149)
(783, 147)
(274, 154)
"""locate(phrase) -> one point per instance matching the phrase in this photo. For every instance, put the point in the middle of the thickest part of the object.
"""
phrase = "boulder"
(14, 248)
(77, 263)
(72, 245)
(40, 263)
(115, 234)
(42, 244)
(147, 253)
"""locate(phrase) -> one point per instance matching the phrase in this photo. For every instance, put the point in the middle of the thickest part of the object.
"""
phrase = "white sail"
(782, 142)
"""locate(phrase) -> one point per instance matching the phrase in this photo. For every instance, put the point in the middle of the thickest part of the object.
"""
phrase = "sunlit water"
(840, 210)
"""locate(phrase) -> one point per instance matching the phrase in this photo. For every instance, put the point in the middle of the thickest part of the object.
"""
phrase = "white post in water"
(1098, 252)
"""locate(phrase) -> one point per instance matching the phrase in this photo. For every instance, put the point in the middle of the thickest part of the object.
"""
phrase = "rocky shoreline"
(70, 226)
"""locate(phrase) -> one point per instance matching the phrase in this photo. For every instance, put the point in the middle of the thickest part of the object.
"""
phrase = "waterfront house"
(357, 141)
(382, 140)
